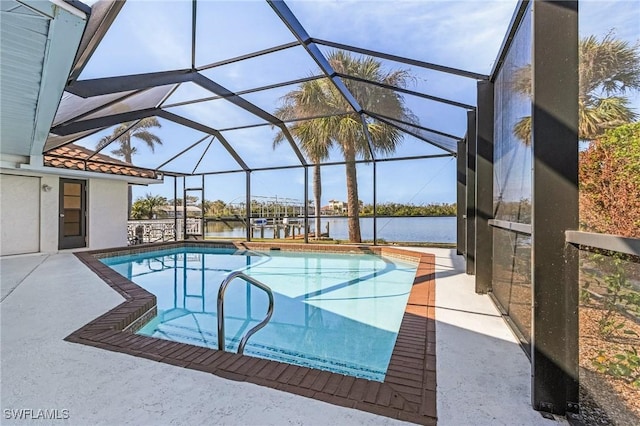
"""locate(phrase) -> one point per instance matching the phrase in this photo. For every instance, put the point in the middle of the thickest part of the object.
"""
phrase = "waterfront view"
(390, 229)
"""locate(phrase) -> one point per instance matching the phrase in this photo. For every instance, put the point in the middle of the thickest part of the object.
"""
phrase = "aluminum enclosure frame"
(554, 140)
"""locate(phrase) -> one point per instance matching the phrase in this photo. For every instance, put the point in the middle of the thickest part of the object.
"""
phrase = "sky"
(156, 36)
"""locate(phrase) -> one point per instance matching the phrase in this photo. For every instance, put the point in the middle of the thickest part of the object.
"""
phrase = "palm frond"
(600, 114)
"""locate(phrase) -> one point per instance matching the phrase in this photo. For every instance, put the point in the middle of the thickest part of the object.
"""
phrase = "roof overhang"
(81, 174)
(38, 46)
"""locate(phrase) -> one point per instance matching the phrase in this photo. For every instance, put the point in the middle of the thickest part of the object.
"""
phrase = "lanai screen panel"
(410, 146)
(331, 151)
(240, 72)
(391, 105)
(72, 106)
(158, 38)
(256, 146)
(407, 191)
(416, 140)
(222, 29)
(471, 28)
(217, 113)
(512, 178)
(170, 139)
(437, 83)
(276, 67)
(188, 93)
(215, 159)
(278, 101)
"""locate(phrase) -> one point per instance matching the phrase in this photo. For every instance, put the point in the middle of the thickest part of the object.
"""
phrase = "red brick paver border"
(409, 388)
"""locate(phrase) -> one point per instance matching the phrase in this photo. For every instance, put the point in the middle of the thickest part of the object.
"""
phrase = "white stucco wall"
(107, 213)
(49, 214)
(29, 216)
(20, 210)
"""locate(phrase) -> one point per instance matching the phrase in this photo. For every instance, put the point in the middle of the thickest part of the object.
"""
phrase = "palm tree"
(608, 69)
(346, 131)
(146, 208)
(123, 135)
(308, 100)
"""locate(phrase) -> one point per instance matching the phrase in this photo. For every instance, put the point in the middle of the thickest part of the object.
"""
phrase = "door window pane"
(72, 189)
(72, 202)
(72, 229)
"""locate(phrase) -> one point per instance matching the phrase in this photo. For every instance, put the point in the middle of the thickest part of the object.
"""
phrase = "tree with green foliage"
(346, 131)
(608, 69)
(147, 207)
(610, 183)
(308, 100)
(124, 135)
(214, 208)
(398, 209)
(191, 200)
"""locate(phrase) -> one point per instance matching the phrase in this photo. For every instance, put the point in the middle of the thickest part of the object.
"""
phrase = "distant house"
(192, 211)
(338, 207)
(327, 211)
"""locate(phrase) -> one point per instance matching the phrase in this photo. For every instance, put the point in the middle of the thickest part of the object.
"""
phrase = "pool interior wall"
(336, 312)
(409, 388)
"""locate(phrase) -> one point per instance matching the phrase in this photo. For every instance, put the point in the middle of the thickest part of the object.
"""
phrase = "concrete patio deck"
(482, 374)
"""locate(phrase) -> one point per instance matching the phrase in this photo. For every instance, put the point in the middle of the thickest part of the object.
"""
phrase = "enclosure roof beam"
(101, 16)
(248, 91)
(297, 166)
(293, 120)
(202, 156)
(367, 134)
(106, 121)
(108, 85)
(516, 18)
(296, 28)
(205, 129)
(194, 23)
(407, 91)
(426, 129)
(113, 138)
(414, 134)
(422, 64)
(249, 55)
(182, 152)
(214, 87)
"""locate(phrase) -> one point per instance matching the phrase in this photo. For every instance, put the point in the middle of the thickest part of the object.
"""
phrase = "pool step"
(186, 333)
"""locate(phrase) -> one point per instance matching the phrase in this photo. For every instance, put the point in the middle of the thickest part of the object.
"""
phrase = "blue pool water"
(336, 312)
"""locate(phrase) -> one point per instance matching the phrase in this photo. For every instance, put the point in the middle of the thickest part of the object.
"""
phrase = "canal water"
(390, 229)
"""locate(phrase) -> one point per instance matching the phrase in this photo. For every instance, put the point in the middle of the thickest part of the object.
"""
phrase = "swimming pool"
(336, 312)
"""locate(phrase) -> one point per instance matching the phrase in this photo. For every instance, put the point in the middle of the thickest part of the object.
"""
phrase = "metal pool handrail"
(223, 287)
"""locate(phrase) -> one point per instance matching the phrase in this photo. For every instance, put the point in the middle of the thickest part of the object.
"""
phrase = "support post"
(203, 212)
(248, 205)
(375, 205)
(470, 253)
(175, 208)
(306, 205)
(484, 187)
(184, 208)
(461, 204)
(554, 126)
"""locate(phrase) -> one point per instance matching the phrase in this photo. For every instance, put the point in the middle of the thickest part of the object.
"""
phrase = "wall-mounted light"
(46, 188)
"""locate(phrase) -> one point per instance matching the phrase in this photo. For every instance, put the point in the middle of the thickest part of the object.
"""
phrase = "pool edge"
(407, 393)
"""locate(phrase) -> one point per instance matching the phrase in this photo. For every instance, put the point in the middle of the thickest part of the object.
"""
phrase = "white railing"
(194, 227)
(151, 231)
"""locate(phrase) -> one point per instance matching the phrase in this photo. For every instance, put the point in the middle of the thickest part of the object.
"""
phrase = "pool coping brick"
(408, 392)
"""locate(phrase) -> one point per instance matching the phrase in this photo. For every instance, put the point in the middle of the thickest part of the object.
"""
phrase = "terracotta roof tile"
(73, 157)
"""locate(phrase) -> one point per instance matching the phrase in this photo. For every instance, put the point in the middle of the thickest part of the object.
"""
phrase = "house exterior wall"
(107, 213)
(29, 215)
(20, 210)
(49, 213)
